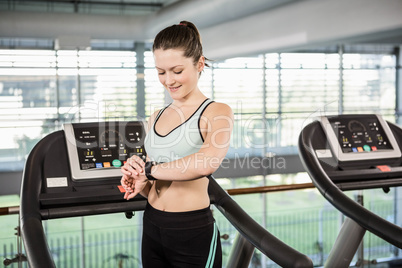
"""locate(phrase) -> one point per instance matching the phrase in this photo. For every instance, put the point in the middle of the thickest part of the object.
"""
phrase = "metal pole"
(346, 245)
(398, 84)
(241, 253)
(82, 243)
(398, 113)
(264, 152)
(78, 85)
(279, 125)
(360, 251)
(340, 104)
(140, 50)
(321, 235)
(57, 86)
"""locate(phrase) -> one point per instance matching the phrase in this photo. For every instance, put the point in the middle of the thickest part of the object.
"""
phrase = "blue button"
(354, 149)
(99, 165)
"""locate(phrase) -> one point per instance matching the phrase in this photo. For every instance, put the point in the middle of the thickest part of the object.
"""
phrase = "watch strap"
(148, 167)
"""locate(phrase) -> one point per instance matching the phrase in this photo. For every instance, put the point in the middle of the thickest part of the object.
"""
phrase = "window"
(272, 95)
(41, 89)
(369, 83)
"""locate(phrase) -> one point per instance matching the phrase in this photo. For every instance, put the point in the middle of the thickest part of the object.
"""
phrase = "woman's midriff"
(179, 196)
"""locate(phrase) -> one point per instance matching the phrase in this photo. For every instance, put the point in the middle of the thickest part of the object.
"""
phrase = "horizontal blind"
(272, 83)
(238, 82)
(41, 89)
(309, 82)
(154, 90)
(28, 102)
(369, 83)
(107, 85)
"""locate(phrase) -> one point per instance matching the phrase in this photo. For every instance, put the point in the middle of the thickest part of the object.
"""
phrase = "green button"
(366, 148)
(116, 163)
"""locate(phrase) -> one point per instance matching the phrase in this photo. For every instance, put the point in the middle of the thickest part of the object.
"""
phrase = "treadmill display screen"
(107, 145)
(364, 134)
(98, 150)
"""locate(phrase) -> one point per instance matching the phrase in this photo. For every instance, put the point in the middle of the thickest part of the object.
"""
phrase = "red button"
(384, 168)
(121, 189)
(373, 148)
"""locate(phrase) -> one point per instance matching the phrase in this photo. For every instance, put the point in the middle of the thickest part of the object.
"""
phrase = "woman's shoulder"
(154, 114)
(218, 109)
(152, 119)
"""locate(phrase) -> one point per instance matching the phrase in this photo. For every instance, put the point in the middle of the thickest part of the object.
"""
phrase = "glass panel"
(307, 83)
(272, 90)
(154, 90)
(369, 83)
(239, 88)
(41, 89)
(96, 241)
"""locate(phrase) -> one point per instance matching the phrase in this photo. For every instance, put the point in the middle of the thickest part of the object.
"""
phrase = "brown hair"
(183, 36)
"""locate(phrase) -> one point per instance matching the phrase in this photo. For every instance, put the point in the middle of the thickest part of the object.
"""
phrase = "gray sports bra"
(183, 140)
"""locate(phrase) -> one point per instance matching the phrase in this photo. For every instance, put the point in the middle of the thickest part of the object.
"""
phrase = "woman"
(186, 141)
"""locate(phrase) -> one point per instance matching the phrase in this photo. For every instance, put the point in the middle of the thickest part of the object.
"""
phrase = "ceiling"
(104, 7)
(228, 27)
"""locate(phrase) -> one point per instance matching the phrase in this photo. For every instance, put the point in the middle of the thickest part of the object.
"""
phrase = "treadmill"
(76, 172)
(353, 152)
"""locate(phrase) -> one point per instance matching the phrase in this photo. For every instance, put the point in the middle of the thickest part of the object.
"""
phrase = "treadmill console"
(360, 137)
(98, 150)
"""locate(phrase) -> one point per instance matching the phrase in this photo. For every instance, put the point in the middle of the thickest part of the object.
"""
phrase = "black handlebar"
(268, 244)
(36, 247)
(372, 222)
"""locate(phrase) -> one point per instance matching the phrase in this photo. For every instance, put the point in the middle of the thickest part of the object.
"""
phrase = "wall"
(10, 182)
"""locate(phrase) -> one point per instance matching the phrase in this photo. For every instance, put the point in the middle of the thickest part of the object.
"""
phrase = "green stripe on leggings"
(212, 248)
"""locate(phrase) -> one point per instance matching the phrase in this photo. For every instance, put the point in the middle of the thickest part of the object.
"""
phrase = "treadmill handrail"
(372, 222)
(267, 243)
(36, 247)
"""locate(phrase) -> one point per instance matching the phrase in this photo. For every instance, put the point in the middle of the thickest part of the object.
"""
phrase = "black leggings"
(180, 239)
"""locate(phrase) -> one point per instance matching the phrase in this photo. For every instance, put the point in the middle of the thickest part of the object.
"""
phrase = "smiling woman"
(192, 136)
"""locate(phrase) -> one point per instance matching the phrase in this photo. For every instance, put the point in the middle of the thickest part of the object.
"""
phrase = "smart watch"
(148, 167)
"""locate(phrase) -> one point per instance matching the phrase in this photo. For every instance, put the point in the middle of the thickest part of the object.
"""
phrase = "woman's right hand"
(127, 184)
(133, 179)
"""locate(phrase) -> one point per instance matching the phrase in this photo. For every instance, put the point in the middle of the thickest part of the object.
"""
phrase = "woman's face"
(177, 73)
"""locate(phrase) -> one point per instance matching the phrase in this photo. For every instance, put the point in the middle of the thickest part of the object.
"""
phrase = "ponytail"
(184, 36)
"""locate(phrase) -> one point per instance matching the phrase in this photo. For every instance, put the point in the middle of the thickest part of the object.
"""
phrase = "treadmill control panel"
(98, 150)
(360, 137)
(364, 135)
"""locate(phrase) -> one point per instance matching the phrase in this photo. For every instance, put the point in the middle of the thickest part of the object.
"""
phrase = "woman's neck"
(192, 99)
